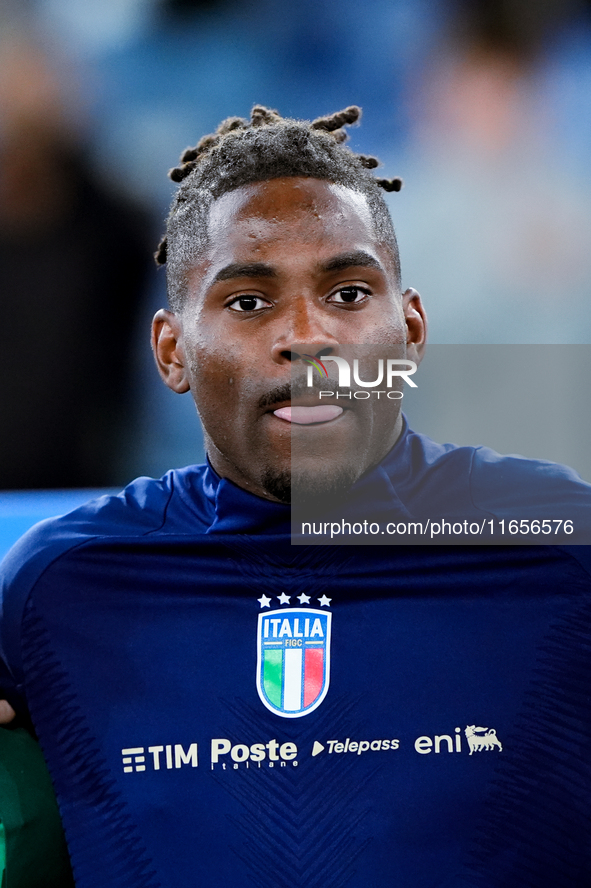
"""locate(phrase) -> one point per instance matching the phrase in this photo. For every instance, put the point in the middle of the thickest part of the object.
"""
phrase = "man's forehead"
(275, 199)
(259, 223)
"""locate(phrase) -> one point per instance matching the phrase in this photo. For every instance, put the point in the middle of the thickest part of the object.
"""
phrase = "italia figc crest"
(293, 661)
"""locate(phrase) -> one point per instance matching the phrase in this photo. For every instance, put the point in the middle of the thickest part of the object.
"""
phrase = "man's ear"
(167, 345)
(416, 325)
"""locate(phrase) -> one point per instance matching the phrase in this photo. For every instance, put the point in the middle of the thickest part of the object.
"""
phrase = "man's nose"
(305, 332)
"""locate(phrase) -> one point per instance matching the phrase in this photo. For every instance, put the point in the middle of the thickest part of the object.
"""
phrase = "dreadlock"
(269, 146)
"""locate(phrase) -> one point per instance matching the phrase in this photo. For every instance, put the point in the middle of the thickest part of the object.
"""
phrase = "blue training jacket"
(218, 707)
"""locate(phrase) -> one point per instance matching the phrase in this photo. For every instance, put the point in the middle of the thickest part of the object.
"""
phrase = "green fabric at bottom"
(34, 845)
(2, 855)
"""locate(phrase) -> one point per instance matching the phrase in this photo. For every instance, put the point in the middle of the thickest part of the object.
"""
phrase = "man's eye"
(248, 303)
(349, 295)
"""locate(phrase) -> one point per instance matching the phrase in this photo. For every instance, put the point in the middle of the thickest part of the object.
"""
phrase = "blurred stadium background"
(482, 106)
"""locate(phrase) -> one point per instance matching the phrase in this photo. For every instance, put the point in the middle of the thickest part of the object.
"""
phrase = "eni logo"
(481, 738)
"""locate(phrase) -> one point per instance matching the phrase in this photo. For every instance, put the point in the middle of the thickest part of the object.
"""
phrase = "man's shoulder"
(475, 483)
(145, 507)
(500, 480)
(144, 510)
(493, 476)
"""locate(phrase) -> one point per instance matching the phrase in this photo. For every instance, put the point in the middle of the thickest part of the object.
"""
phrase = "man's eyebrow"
(244, 269)
(349, 260)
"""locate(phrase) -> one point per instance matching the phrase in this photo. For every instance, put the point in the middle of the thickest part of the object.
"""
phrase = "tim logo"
(293, 662)
(482, 738)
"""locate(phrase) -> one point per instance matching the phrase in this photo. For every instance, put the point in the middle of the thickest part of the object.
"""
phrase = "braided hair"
(266, 147)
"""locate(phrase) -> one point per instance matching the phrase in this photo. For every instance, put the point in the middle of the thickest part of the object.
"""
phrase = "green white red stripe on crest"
(293, 663)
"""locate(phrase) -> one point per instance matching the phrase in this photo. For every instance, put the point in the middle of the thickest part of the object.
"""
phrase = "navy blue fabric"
(131, 624)
(421, 480)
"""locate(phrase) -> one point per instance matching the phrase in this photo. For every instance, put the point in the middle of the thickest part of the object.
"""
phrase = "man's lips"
(309, 415)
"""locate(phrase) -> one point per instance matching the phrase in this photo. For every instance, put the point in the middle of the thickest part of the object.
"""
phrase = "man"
(219, 707)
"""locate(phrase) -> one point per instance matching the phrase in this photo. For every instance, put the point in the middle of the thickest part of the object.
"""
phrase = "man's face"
(293, 268)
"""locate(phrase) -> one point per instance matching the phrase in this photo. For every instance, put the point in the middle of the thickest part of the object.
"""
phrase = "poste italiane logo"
(293, 656)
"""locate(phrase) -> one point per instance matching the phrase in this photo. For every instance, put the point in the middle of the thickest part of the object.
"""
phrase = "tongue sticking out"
(309, 415)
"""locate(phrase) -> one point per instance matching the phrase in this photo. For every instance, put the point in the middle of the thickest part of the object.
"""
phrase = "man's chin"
(304, 488)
